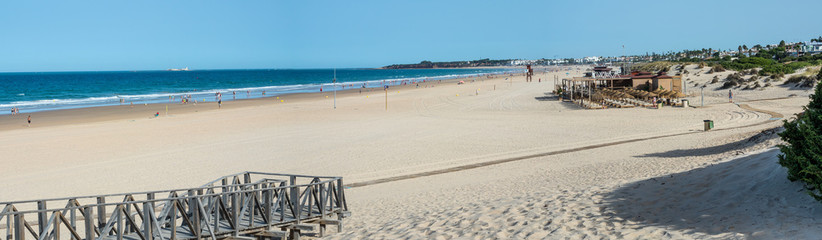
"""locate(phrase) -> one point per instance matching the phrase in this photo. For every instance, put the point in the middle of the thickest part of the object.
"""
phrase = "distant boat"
(178, 69)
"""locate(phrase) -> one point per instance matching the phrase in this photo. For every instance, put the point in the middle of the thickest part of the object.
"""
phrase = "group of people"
(16, 111)
(186, 99)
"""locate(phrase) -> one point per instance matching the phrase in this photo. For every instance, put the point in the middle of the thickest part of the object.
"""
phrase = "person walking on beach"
(730, 96)
(29, 119)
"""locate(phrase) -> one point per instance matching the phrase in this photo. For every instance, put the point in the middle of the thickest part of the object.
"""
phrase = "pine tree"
(802, 153)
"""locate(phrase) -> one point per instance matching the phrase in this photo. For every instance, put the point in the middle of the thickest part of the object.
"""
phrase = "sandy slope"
(548, 191)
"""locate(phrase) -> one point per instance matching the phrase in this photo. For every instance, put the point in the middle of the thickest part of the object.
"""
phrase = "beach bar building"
(584, 88)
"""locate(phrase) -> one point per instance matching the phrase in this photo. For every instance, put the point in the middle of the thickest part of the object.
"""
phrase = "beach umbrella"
(680, 95)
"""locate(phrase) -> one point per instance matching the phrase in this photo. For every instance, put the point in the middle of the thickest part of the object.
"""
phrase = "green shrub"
(802, 151)
(783, 68)
(747, 63)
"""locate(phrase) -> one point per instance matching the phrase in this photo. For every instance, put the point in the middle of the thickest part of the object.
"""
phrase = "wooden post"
(322, 229)
(173, 222)
(42, 217)
(195, 213)
(89, 221)
(9, 227)
(294, 195)
(150, 197)
(118, 211)
(235, 212)
(340, 203)
(73, 218)
(56, 231)
(128, 228)
(147, 219)
(267, 198)
(310, 193)
(19, 227)
(216, 204)
(323, 190)
(101, 214)
(251, 210)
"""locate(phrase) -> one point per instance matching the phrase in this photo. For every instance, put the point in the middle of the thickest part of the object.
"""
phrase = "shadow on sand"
(763, 136)
(747, 197)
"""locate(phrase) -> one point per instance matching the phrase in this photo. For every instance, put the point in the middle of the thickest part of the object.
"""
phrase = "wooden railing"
(243, 204)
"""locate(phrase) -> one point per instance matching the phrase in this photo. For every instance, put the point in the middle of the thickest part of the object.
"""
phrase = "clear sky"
(146, 35)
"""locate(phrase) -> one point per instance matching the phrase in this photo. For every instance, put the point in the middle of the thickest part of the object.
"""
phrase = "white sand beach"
(540, 168)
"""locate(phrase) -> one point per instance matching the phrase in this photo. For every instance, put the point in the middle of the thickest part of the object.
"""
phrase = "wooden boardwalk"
(244, 205)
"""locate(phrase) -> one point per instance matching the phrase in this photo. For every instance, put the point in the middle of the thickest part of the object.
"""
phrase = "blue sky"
(146, 35)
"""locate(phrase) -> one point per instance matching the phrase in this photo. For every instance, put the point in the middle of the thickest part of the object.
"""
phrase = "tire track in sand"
(774, 117)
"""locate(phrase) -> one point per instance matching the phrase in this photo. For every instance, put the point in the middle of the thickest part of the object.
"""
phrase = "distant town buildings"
(792, 49)
(811, 48)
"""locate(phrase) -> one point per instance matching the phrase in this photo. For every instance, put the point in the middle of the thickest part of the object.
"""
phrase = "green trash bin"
(709, 124)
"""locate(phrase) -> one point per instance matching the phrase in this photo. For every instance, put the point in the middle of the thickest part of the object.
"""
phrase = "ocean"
(42, 91)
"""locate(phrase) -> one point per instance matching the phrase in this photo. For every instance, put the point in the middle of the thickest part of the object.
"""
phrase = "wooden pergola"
(587, 86)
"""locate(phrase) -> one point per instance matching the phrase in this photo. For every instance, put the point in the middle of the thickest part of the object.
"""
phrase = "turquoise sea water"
(31, 92)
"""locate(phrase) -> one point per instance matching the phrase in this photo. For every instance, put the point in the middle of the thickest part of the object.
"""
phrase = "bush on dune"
(653, 66)
(729, 84)
(801, 80)
(802, 151)
(735, 77)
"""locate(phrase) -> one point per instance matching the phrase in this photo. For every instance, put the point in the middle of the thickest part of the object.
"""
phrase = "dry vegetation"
(653, 66)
